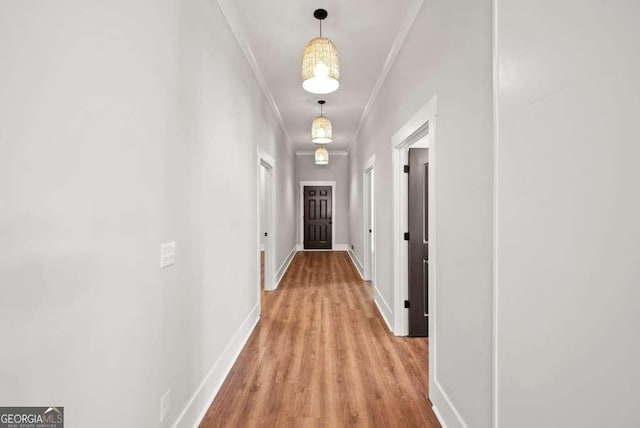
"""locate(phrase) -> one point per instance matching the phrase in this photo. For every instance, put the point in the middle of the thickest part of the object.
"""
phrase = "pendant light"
(321, 156)
(321, 128)
(320, 63)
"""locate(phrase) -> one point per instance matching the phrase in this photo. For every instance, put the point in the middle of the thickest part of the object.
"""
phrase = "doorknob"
(266, 234)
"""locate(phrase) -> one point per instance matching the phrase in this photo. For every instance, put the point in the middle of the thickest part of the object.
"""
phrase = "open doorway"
(418, 132)
(266, 226)
(369, 220)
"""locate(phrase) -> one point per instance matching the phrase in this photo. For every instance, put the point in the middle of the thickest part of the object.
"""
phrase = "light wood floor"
(321, 355)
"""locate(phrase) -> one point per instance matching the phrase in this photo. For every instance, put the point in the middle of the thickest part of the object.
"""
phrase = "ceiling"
(367, 34)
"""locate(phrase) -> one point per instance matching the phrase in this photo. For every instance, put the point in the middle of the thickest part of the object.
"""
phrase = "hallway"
(321, 355)
(150, 150)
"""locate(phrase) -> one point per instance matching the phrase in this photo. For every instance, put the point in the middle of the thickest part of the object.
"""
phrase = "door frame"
(422, 124)
(265, 160)
(367, 184)
(331, 184)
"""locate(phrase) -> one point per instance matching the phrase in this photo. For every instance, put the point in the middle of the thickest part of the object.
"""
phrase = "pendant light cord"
(320, 27)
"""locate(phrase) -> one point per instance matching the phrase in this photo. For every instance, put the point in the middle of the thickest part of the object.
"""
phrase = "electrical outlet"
(164, 405)
(167, 254)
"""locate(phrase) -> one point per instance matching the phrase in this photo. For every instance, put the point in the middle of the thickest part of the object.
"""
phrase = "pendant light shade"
(322, 156)
(320, 63)
(321, 132)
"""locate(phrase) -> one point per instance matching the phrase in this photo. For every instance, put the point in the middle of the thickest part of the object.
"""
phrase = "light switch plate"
(167, 254)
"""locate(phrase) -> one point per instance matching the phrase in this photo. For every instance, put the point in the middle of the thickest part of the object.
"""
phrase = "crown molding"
(230, 12)
(331, 153)
(405, 27)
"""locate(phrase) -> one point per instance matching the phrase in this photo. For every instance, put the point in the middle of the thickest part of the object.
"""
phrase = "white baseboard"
(202, 398)
(443, 408)
(356, 263)
(383, 307)
(438, 416)
(283, 269)
(336, 247)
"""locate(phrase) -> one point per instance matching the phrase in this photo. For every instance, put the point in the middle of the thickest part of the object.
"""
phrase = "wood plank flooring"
(322, 356)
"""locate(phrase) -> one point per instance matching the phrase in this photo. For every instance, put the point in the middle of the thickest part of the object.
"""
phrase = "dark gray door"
(317, 217)
(418, 242)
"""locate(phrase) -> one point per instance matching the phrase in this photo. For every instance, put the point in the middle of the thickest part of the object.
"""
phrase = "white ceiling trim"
(230, 13)
(405, 27)
(331, 153)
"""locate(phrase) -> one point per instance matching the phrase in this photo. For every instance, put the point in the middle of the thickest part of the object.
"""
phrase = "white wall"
(568, 240)
(338, 171)
(446, 54)
(126, 124)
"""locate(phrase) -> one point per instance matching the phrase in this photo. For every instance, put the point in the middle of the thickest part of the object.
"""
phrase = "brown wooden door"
(418, 242)
(317, 217)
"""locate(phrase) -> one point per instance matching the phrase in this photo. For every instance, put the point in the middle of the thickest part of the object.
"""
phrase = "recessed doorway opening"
(418, 131)
(266, 223)
(369, 220)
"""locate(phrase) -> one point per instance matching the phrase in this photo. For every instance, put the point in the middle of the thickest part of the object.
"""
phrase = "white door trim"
(368, 166)
(269, 260)
(333, 210)
(422, 124)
